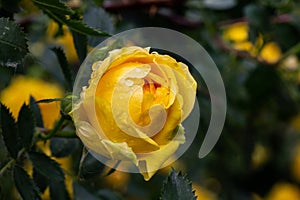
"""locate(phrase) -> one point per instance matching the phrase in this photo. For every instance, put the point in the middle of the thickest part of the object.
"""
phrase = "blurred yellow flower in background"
(65, 40)
(237, 35)
(237, 32)
(295, 166)
(19, 91)
(270, 52)
(284, 191)
(118, 180)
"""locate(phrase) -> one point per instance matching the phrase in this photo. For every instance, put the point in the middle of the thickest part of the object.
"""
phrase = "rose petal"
(187, 89)
(114, 133)
(108, 149)
(120, 151)
(151, 162)
(173, 120)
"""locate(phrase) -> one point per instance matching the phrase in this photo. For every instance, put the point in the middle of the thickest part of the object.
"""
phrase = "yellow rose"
(133, 108)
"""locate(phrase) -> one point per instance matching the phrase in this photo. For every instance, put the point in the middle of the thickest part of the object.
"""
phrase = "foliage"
(256, 47)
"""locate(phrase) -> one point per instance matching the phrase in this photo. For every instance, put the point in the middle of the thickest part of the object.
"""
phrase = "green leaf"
(63, 14)
(260, 90)
(81, 193)
(25, 185)
(46, 166)
(9, 132)
(58, 191)
(36, 111)
(40, 180)
(65, 67)
(80, 42)
(26, 125)
(62, 147)
(107, 194)
(90, 167)
(54, 100)
(80, 27)
(13, 43)
(177, 186)
(258, 16)
(54, 6)
(98, 18)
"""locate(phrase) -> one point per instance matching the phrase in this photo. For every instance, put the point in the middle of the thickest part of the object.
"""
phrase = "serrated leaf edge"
(24, 106)
(3, 41)
(52, 161)
(180, 175)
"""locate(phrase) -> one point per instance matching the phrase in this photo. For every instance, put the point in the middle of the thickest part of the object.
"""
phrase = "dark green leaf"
(37, 112)
(90, 167)
(80, 27)
(46, 166)
(75, 25)
(258, 16)
(286, 35)
(58, 191)
(13, 43)
(80, 193)
(107, 194)
(25, 185)
(26, 125)
(259, 89)
(9, 132)
(62, 147)
(253, 34)
(98, 2)
(80, 42)
(40, 180)
(54, 6)
(177, 186)
(97, 18)
(65, 67)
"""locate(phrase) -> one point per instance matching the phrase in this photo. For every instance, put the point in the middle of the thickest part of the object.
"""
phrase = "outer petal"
(106, 148)
(90, 138)
(187, 89)
(150, 163)
(173, 120)
(120, 151)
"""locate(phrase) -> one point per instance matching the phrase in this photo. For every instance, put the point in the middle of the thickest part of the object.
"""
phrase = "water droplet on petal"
(128, 83)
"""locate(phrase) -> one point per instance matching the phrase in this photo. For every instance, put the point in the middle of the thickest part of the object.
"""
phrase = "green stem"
(7, 166)
(54, 130)
(11, 162)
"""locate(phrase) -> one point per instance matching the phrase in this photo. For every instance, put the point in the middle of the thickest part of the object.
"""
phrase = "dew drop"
(128, 83)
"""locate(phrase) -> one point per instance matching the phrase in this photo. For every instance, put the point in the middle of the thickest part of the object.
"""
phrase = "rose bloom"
(133, 108)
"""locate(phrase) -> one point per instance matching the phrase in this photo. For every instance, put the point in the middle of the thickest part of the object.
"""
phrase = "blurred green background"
(256, 47)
